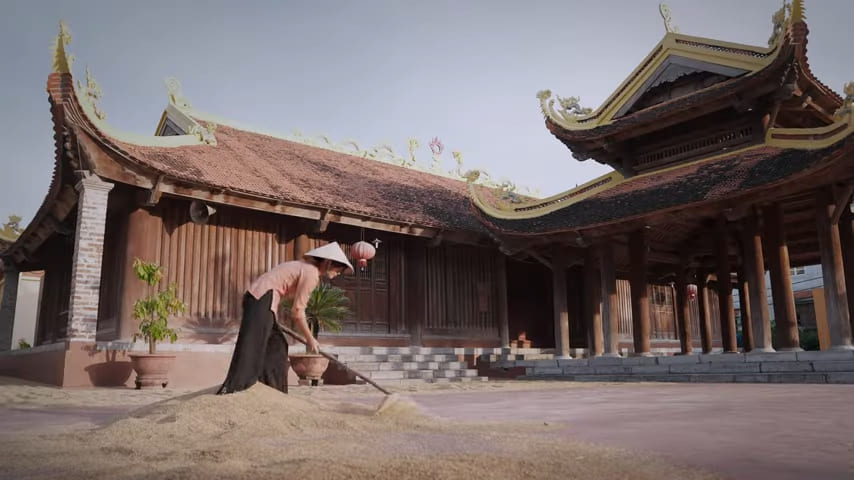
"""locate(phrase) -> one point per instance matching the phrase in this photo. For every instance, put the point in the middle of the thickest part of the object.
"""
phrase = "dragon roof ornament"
(664, 10)
(570, 113)
(847, 107)
(91, 93)
(778, 22)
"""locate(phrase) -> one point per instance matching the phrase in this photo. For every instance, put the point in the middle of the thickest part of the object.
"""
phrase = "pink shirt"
(295, 279)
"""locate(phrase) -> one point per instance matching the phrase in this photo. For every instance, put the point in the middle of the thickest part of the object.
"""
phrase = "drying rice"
(260, 434)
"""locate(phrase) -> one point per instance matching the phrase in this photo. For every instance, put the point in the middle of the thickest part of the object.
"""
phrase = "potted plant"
(325, 309)
(153, 313)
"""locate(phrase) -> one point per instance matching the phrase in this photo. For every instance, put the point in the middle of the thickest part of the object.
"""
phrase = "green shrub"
(154, 310)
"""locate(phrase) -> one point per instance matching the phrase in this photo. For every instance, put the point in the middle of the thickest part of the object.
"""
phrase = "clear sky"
(377, 71)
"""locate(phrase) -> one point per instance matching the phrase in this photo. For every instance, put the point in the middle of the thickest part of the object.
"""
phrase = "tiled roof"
(678, 104)
(724, 177)
(270, 167)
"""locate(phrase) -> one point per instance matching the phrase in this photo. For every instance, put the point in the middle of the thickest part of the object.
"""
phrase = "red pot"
(151, 369)
(308, 366)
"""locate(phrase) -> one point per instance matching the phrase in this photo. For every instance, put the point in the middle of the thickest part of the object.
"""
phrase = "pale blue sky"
(375, 71)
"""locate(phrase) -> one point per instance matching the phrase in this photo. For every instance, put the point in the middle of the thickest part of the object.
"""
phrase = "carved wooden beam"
(539, 258)
(321, 224)
(155, 192)
(842, 202)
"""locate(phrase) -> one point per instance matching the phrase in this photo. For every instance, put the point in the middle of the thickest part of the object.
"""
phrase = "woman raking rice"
(261, 352)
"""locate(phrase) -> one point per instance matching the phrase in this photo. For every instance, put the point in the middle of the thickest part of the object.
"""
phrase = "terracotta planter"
(308, 366)
(151, 369)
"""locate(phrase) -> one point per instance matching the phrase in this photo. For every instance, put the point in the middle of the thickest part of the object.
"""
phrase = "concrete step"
(417, 381)
(420, 374)
(375, 366)
(371, 358)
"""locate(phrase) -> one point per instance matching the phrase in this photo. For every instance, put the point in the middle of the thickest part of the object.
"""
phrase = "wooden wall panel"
(624, 309)
(461, 297)
(213, 264)
(662, 312)
(52, 322)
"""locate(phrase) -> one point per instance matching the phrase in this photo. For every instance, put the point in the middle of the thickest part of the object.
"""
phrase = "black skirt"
(260, 352)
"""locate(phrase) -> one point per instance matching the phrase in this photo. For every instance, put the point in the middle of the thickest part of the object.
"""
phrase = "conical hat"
(331, 251)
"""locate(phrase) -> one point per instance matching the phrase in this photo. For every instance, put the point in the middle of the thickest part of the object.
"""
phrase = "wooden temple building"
(728, 160)
(437, 280)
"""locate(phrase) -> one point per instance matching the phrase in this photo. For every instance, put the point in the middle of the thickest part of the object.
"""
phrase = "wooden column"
(593, 304)
(725, 302)
(754, 271)
(415, 288)
(9, 301)
(846, 238)
(561, 310)
(138, 243)
(744, 306)
(301, 243)
(683, 312)
(609, 299)
(777, 254)
(640, 294)
(501, 291)
(705, 317)
(835, 295)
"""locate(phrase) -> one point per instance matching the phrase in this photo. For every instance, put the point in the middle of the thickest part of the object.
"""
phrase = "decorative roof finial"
(93, 93)
(848, 103)
(798, 15)
(176, 93)
(62, 62)
(778, 20)
(668, 20)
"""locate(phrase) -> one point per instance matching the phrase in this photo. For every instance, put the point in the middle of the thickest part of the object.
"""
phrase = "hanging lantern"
(362, 252)
(692, 291)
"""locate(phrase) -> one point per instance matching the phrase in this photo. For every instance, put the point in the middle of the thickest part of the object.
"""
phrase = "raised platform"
(777, 367)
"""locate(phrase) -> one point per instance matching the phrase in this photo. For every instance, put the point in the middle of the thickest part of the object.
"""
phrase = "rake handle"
(330, 357)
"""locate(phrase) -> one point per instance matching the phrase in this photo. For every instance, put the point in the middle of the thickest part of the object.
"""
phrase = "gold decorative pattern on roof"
(664, 9)
(847, 107)
(176, 92)
(570, 111)
(737, 59)
(11, 230)
(62, 62)
(778, 22)
(92, 93)
(798, 14)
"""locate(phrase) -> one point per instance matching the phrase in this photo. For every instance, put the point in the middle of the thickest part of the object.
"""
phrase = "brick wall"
(87, 259)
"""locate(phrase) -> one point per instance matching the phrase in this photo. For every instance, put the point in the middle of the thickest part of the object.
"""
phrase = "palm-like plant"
(326, 307)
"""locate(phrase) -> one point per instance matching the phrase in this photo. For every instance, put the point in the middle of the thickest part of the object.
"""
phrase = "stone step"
(421, 374)
(454, 373)
(437, 351)
(371, 358)
(375, 366)
(802, 377)
(517, 357)
(417, 381)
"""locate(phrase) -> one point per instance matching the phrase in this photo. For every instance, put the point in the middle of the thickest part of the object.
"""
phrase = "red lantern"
(692, 291)
(362, 252)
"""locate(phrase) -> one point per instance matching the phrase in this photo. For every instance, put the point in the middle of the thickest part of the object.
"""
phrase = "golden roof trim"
(751, 58)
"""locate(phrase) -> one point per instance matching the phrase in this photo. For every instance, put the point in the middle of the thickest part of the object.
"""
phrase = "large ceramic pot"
(151, 369)
(308, 366)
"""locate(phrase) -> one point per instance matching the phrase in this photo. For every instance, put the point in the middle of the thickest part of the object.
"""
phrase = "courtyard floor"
(738, 431)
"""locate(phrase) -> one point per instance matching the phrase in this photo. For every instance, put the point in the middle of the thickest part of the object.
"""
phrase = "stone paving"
(744, 431)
